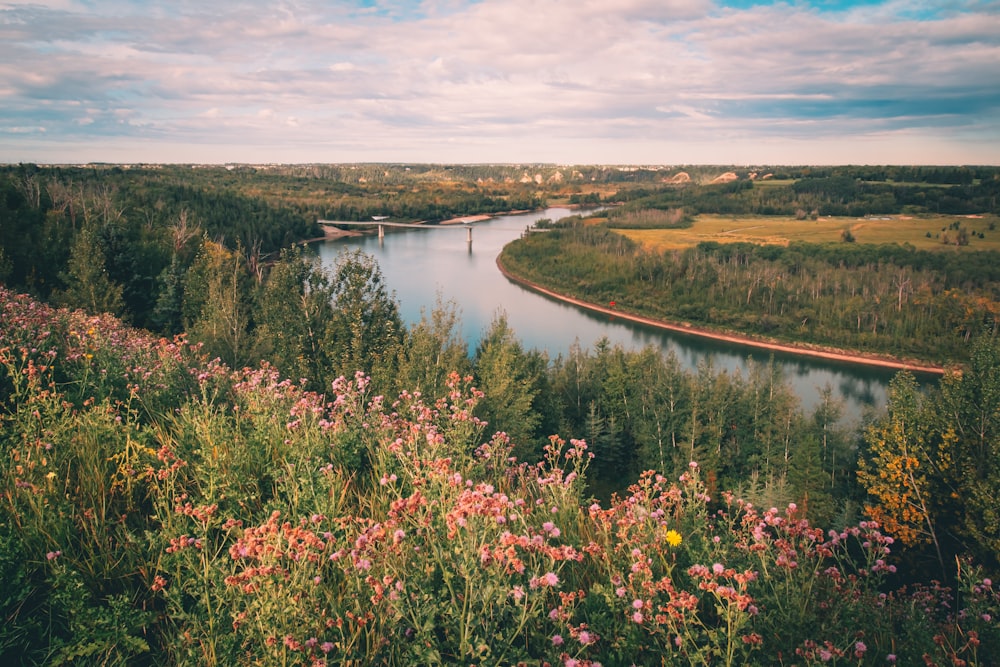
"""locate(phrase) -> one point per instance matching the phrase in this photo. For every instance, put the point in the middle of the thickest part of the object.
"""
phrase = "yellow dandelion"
(673, 538)
(50, 476)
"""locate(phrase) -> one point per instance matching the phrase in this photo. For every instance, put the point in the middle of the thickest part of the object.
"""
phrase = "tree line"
(128, 240)
(210, 257)
(885, 299)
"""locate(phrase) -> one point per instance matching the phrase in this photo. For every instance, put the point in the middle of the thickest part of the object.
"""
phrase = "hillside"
(159, 507)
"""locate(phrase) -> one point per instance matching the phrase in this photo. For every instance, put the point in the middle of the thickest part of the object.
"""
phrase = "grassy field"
(924, 232)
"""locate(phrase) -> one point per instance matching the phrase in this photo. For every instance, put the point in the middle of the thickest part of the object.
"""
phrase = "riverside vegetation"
(299, 478)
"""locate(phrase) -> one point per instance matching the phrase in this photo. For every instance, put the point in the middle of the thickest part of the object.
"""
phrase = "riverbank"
(814, 351)
(330, 233)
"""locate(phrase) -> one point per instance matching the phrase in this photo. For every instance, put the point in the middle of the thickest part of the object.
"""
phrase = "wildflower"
(584, 637)
(859, 649)
(326, 647)
(673, 538)
(891, 658)
(52, 555)
(637, 616)
(557, 640)
(637, 604)
(718, 568)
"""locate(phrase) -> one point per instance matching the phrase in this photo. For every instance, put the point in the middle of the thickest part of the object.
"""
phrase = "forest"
(217, 451)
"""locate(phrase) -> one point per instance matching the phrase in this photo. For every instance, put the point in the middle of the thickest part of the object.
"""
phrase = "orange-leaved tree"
(902, 471)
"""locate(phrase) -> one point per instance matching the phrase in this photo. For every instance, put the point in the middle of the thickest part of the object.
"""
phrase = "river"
(424, 267)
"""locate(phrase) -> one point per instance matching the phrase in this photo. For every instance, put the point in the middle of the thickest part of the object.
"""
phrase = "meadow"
(924, 232)
(160, 508)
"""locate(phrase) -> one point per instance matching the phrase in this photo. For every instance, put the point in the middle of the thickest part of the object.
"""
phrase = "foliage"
(199, 514)
(887, 299)
(930, 465)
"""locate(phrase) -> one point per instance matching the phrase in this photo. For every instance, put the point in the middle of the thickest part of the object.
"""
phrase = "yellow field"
(783, 230)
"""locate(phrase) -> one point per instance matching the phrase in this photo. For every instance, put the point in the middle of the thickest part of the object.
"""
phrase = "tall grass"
(159, 508)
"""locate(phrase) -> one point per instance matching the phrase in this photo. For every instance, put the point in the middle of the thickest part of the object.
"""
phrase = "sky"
(652, 82)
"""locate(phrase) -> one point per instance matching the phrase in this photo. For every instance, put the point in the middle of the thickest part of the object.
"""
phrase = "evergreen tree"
(506, 376)
(294, 309)
(365, 332)
(969, 429)
(88, 285)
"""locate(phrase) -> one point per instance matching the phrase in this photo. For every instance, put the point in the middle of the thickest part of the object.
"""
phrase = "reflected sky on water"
(425, 266)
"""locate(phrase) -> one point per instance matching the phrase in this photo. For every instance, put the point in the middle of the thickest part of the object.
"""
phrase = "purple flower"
(52, 555)
(557, 640)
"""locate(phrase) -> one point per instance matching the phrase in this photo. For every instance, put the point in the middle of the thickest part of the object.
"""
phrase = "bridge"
(381, 224)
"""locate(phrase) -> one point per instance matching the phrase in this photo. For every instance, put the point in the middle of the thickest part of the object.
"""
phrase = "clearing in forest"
(936, 232)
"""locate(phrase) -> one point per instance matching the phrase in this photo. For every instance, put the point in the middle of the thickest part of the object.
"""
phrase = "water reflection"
(423, 265)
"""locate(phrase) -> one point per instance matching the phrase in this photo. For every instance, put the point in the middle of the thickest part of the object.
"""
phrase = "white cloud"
(517, 80)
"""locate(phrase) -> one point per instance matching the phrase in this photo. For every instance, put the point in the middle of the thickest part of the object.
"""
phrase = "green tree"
(969, 428)
(433, 349)
(505, 373)
(218, 301)
(365, 332)
(294, 309)
(88, 285)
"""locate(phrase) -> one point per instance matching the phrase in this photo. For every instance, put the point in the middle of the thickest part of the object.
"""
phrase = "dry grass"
(783, 230)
